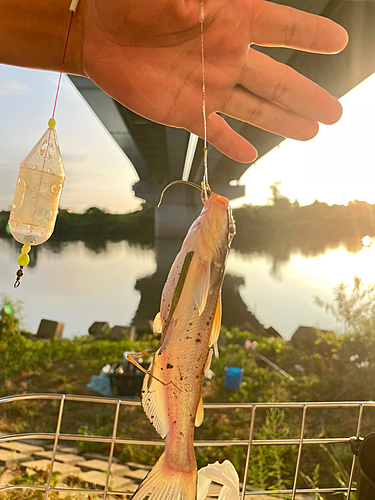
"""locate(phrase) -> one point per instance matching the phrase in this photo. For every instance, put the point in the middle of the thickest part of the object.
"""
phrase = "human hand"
(147, 55)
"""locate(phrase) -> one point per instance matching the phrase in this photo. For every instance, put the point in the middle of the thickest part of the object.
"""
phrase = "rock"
(120, 470)
(64, 469)
(65, 458)
(137, 475)
(50, 329)
(305, 336)
(102, 466)
(145, 327)
(97, 456)
(122, 332)
(98, 327)
(12, 458)
(96, 478)
(95, 464)
(64, 449)
(23, 448)
(272, 332)
(44, 443)
(133, 465)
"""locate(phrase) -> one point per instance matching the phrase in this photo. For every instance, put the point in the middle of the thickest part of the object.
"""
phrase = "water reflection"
(270, 281)
(279, 246)
(77, 285)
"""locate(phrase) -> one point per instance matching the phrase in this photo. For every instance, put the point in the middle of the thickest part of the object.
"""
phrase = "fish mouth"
(221, 200)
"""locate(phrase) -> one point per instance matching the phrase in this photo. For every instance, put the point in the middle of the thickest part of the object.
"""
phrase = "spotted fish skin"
(190, 318)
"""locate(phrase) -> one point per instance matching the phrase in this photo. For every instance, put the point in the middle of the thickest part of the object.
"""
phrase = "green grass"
(333, 371)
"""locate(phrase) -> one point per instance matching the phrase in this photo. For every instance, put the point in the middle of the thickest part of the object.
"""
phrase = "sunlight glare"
(366, 241)
(336, 167)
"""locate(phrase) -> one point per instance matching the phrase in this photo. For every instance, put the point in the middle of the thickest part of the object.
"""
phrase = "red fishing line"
(62, 64)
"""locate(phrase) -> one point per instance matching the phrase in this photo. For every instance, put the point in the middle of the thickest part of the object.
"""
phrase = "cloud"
(12, 87)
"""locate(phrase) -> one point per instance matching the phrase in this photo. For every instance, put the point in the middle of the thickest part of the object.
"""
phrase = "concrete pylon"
(181, 204)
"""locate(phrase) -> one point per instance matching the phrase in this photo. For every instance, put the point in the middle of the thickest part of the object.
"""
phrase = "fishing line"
(52, 121)
(205, 185)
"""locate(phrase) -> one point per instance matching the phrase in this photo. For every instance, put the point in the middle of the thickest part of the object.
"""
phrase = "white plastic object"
(73, 5)
(224, 474)
(38, 192)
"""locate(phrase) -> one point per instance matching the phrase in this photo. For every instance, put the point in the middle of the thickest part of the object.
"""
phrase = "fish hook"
(201, 189)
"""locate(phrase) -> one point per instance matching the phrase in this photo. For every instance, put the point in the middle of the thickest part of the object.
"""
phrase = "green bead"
(26, 249)
(7, 309)
(23, 260)
(51, 123)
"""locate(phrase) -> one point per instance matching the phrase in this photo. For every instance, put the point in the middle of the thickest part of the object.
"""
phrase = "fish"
(189, 322)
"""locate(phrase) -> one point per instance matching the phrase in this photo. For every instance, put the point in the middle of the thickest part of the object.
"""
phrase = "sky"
(336, 167)
(97, 171)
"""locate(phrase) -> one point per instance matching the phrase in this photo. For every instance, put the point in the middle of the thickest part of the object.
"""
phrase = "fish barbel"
(189, 322)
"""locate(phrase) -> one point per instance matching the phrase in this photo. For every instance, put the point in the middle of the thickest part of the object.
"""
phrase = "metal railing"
(250, 443)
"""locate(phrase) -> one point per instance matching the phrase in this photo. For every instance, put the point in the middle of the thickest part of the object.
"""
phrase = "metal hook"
(178, 182)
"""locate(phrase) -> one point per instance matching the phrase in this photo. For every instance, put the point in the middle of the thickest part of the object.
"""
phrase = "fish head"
(217, 224)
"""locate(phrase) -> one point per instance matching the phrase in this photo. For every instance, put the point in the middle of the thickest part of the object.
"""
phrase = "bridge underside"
(159, 153)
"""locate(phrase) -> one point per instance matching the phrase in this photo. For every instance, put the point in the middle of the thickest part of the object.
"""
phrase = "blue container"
(233, 377)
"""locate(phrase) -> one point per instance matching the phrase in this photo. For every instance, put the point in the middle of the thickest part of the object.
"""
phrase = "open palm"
(147, 55)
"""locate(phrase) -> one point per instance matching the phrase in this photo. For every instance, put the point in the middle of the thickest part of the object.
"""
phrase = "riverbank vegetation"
(334, 367)
(95, 223)
(283, 225)
(258, 227)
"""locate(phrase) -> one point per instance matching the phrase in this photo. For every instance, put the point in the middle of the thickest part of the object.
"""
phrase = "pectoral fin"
(153, 399)
(200, 414)
(215, 332)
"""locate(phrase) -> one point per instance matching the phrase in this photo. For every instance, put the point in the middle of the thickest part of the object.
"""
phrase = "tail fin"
(165, 483)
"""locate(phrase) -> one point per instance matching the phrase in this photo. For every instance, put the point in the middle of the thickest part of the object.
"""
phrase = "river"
(78, 283)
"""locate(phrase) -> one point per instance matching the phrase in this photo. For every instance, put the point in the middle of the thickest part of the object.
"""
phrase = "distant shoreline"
(256, 225)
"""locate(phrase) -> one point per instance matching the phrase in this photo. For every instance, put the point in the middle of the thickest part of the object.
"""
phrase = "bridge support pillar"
(173, 221)
(180, 206)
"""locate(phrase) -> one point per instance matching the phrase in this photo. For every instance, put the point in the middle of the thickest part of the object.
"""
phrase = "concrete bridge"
(161, 154)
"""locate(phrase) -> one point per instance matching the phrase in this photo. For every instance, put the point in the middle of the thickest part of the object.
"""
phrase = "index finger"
(274, 25)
